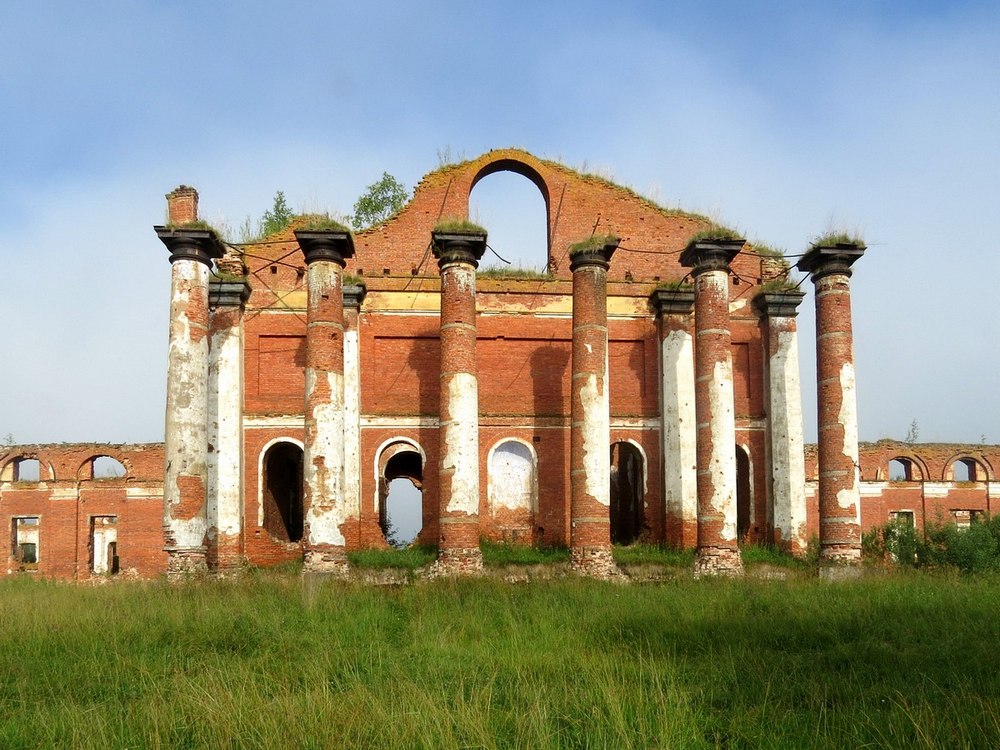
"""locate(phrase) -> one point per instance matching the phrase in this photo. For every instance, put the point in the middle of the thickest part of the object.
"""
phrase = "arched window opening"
(627, 485)
(901, 470)
(103, 467)
(513, 489)
(282, 492)
(513, 211)
(27, 470)
(967, 470)
(744, 496)
(401, 483)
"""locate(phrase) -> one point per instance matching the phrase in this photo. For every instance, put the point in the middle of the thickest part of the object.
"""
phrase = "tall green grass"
(906, 660)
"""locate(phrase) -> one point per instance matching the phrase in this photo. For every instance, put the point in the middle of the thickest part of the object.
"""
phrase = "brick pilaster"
(590, 429)
(458, 256)
(718, 546)
(327, 515)
(839, 488)
(186, 438)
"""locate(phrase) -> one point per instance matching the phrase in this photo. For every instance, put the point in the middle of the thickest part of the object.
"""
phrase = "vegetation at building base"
(280, 661)
(975, 549)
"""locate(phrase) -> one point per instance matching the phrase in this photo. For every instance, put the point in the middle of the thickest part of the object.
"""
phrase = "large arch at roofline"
(505, 162)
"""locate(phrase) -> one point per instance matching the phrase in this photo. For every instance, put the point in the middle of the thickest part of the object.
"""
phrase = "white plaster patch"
(678, 430)
(596, 431)
(224, 491)
(352, 430)
(787, 457)
(722, 466)
(326, 507)
(511, 475)
(461, 443)
(848, 418)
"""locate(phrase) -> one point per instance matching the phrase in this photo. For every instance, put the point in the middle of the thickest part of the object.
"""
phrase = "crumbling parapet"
(718, 546)
(327, 512)
(192, 251)
(458, 254)
(590, 426)
(677, 413)
(830, 263)
(783, 394)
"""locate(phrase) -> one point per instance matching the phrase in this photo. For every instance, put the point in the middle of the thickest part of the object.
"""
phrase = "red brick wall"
(65, 504)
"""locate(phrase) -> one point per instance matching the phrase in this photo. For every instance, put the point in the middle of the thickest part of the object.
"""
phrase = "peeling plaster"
(512, 483)
(323, 467)
(787, 457)
(722, 464)
(461, 443)
(225, 462)
(352, 431)
(680, 455)
(595, 431)
(848, 419)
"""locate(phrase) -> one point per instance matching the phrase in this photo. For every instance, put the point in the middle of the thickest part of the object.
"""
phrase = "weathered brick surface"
(518, 341)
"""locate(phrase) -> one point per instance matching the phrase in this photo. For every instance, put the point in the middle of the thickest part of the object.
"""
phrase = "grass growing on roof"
(714, 233)
(458, 226)
(832, 239)
(319, 223)
(594, 242)
(512, 272)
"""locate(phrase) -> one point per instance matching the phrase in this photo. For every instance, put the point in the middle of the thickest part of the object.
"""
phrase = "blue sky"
(879, 117)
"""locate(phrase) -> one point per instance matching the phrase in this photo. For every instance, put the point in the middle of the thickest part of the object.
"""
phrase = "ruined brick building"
(645, 388)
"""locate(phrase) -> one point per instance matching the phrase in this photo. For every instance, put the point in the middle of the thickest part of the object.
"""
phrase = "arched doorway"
(627, 491)
(281, 495)
(744, 496)
(400, 493)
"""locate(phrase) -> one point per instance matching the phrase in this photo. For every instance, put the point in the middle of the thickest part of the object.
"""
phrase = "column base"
(718, 561)
(595, 562)
(840, 554)
(457, 561)
(184, 564)
(329, 563)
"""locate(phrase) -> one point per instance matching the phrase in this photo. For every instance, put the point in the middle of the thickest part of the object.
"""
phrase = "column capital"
(354, 295)
(673, 301)
(783, 304)
(596, 251)
(825, 259)
(458, 247)
(332, 245)
(228, 292)
(711, 254)
(190, 243)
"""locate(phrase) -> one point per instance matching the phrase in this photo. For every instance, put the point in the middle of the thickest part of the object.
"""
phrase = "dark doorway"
(282, 484)
(627, 473)
(742, 494)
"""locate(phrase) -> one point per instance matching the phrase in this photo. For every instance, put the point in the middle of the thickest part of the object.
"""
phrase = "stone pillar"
(225, 421)
(678, 436)
(718, 548)
(839, 488)
(327, 514)
(354, 295)
(787, 482)
(192, 251)
(458, 256)
(590, 428)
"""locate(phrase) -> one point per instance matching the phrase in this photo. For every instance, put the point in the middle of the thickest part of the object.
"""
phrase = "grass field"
(905, 660)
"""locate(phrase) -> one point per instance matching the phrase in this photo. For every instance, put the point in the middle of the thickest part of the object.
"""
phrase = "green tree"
(379, 201)
(277, 218)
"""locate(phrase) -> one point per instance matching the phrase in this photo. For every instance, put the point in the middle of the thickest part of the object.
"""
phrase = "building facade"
(645, 387)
